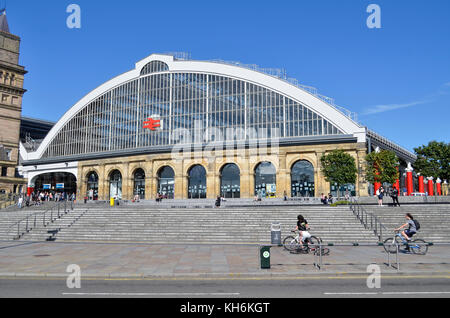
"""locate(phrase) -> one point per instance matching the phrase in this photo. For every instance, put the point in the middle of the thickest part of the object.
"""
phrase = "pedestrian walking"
(380, 194)
(20, 202)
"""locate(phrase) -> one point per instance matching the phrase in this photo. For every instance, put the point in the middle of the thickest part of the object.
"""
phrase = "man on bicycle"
(411, 231)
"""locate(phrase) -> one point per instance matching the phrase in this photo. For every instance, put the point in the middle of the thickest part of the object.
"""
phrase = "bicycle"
(418, 246)
(292, 243)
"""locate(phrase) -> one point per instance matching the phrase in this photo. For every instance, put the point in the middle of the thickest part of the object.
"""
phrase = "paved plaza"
(103, 260)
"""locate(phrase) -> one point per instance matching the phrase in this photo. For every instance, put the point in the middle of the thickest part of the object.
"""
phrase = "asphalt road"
(289, 287)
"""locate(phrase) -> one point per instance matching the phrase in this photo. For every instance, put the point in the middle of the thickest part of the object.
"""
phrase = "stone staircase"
(36, 220)
(139, 223)
(434, 220)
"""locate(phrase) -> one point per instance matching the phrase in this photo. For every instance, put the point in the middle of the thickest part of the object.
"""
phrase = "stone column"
(81, 184)
(180, 180)
(127, 182)
(103, 187)
(211, 191)
(149, 193)
(361, 186)
(246, 191)
(282, 177)
(321, 185)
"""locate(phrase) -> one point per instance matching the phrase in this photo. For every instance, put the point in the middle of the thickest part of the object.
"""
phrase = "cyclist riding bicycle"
(303, 227)
(411, 231)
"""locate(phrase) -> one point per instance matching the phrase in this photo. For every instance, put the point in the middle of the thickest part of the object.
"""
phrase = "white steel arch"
(323, 109)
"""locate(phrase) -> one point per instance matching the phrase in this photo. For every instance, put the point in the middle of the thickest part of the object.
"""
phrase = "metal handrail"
(368, 220)
(33, 219)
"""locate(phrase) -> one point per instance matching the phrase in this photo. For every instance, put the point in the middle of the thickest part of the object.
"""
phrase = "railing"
(368, 220)
(34, 220)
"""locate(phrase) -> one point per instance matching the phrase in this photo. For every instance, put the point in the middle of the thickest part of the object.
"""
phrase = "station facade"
(185, 129)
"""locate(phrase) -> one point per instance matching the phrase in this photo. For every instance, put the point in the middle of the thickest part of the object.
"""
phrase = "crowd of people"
(39, 197)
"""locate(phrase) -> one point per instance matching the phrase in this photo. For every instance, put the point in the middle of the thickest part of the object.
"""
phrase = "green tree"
(339, 167)
(382, 167)
(433, 160)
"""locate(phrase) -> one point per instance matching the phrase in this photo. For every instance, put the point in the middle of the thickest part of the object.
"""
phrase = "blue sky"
(396, 78)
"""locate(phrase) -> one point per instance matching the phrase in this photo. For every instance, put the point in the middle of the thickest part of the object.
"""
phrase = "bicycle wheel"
(314, 242)
(290, 243)
(419, 247)
(390, 244)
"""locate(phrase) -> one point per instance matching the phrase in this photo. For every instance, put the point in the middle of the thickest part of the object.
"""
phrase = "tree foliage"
(339, 167)
(382, 167)
(433, 160)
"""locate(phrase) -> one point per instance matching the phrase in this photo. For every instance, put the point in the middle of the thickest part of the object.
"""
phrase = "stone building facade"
(11, 92)
(283, 160)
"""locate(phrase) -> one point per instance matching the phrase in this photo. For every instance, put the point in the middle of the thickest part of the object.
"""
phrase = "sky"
(397, 77)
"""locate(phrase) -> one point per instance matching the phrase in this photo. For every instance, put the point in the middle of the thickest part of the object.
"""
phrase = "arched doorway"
(302, 179)
(197, 182)
(115, 184)
(230, 181)
(139, 183)
(55, 182)
(92, 186)
(166, 182)
(265, 180)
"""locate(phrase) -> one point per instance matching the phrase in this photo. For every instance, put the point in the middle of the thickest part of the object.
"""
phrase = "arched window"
(139, 183)
(302, 179)
(230, 181)
(115, 184)
(197, 183)
(154, 67)
(265, 180)
(166, 182)
(92, 186)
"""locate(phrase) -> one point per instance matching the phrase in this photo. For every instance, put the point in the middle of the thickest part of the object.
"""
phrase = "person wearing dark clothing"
(218, 202)
(395, 194)
(303, 227)
(380, 194)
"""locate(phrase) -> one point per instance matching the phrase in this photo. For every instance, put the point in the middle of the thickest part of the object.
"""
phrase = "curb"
(234, 276)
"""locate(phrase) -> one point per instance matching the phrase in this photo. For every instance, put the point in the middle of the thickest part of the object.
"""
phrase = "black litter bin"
(264, 255)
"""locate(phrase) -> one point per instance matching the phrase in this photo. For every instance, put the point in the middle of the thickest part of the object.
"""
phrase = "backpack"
(417, 224)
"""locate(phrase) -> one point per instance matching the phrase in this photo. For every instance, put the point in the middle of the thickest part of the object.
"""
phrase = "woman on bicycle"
(303, 227)
(408, 233)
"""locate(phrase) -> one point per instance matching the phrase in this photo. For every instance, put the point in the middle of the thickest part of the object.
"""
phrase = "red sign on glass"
(152, 124)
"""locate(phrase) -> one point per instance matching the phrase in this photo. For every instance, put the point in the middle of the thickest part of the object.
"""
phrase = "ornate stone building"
(11, 92)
